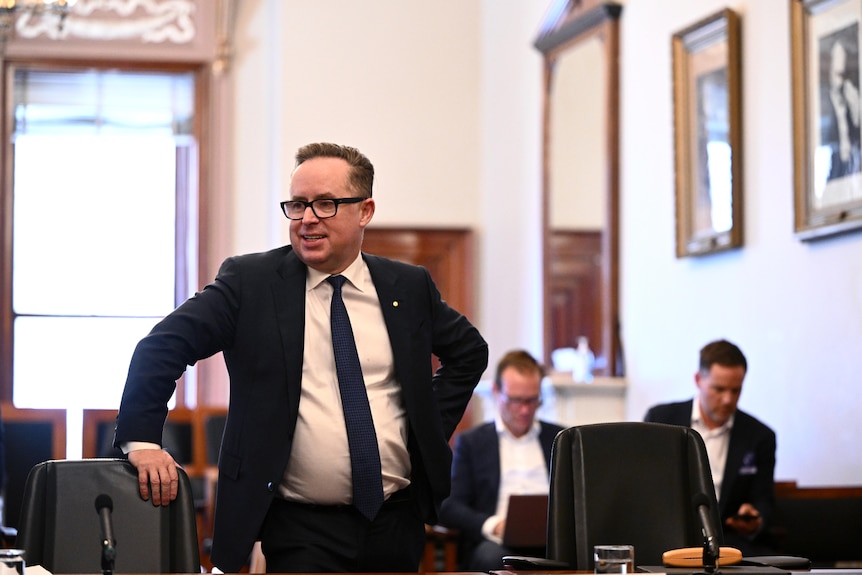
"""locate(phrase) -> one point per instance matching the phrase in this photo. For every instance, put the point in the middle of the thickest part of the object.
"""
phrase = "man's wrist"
(130, 446)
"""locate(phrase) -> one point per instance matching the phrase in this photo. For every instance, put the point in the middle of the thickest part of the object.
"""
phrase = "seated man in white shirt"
(492, 461)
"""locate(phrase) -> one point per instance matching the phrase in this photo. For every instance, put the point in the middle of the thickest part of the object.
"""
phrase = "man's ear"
(368, 207)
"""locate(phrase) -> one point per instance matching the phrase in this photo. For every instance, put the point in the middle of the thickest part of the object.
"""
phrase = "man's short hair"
(361, 169)
(723, 353)
(522, 361)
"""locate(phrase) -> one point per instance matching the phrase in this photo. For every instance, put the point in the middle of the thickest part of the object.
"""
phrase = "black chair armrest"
(525, 563)
(789, 562)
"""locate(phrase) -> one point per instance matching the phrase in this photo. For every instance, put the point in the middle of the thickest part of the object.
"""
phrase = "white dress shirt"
(522, 471)
(319, 467)
(717, 442)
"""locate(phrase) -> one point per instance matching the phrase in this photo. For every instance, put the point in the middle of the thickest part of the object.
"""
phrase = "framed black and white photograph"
(708, 142)
(827, 116)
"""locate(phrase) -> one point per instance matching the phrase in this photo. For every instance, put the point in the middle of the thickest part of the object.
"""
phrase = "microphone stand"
(710, 544)
(104, 506)
(109, 553)
(710, 557)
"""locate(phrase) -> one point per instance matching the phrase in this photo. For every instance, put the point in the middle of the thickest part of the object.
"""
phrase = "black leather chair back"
(27, 443)
(627, 483)
(60, 527)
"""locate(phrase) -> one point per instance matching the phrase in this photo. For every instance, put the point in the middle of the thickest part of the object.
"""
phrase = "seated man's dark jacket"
(476, 480)
(750, 466)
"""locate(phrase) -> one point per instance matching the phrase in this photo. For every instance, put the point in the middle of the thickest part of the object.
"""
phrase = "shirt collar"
(697, 418)
(503, 431)
(356, 273)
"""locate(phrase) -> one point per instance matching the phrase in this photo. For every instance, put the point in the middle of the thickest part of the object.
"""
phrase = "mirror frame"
(567, 24)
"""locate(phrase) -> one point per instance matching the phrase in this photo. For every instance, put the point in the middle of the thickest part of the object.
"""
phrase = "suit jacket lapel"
(288, 292)
(391, 291)
(736, 451)
(546, 438)
(491, 459)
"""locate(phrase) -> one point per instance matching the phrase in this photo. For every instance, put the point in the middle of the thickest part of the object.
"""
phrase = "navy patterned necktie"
(361, 437)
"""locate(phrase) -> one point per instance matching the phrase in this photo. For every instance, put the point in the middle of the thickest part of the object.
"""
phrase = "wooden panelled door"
(446, 253)
(575, 290)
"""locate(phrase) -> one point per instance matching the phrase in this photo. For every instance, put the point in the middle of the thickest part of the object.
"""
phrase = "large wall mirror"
(580, 43)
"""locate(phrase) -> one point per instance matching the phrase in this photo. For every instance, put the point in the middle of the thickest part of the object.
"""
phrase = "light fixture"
(9, 10)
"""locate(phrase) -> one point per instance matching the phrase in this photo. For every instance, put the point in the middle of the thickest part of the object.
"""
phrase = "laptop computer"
(526, 521)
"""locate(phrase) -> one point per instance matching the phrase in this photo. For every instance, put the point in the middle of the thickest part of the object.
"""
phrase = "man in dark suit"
(741, 449)
(285, 473)
(511, 455)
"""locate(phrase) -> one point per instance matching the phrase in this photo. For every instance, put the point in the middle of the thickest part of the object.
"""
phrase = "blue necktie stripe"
(361, 437)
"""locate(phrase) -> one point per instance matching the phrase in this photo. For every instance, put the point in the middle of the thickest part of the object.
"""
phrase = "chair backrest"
(60, 528)
(97, 439)
(627, 483)
(30, 436)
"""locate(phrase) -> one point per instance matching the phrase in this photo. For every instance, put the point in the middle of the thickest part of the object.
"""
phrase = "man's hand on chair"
(158, 469)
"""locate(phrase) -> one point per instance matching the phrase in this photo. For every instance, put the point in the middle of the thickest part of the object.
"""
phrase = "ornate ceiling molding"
(151, 21)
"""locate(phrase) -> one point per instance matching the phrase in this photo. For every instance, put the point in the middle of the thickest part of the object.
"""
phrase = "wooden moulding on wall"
(708, 135)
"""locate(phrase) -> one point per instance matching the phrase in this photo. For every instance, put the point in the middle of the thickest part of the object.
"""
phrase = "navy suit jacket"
(476, 479)
(254, 312)
(750, 465)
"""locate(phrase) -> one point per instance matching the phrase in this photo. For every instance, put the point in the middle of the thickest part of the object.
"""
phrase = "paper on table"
(35, 570)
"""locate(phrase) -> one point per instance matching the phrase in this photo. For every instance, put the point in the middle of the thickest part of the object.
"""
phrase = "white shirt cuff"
(488, 528)
(130, 446)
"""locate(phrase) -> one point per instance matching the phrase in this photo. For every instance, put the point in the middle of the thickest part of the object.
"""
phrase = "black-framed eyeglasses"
(322, 207)
(534, 401)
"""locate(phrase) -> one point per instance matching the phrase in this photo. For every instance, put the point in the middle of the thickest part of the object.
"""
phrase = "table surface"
(722, 571)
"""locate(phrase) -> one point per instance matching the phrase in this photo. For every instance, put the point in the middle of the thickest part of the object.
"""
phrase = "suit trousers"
(309, 538)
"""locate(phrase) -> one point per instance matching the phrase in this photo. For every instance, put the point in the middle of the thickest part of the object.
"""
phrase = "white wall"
(794, 308)
(398, 80)
(447, 105)
(510, 288)
(445, 98)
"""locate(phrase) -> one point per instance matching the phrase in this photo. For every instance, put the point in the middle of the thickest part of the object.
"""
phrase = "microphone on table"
(104, 506)
(710, 540)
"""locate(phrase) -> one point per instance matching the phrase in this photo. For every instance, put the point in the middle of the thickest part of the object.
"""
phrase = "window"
(103, 210)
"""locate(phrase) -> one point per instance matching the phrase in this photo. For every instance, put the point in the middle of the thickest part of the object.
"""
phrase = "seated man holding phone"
(741, 449)
(498, 459)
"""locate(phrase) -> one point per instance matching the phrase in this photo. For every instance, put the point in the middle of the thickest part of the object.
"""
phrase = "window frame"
(191, 228)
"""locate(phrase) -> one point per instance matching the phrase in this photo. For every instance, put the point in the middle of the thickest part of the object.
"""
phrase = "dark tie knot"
(336, 281)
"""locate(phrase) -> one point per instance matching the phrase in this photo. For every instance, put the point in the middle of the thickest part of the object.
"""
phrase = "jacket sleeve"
(463, 355)
(197, 329)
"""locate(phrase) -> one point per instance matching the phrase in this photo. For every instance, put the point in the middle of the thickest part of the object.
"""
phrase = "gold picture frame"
(826, 37)
(708, 139)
